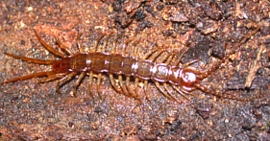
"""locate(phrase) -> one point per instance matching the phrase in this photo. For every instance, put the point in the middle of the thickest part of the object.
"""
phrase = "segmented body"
(166, 73)
(121, 65)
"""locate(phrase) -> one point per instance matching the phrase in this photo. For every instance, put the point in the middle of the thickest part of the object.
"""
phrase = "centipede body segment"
(163, 69)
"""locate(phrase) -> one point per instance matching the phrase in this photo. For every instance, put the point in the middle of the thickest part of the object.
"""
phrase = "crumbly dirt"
(208, 29)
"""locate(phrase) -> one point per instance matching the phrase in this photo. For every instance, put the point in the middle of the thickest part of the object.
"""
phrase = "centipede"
(164, 70)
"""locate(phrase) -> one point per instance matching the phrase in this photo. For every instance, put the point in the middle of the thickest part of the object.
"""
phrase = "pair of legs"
(120, 86)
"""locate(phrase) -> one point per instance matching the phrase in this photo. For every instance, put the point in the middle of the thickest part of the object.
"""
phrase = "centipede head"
(188, 78)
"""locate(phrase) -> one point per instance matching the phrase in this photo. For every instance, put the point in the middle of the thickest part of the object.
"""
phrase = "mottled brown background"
(33, 111)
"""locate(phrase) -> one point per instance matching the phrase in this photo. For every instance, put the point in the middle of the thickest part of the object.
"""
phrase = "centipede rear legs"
(63, 77)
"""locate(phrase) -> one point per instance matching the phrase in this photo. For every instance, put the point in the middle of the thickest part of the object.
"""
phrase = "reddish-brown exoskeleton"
(165, 73)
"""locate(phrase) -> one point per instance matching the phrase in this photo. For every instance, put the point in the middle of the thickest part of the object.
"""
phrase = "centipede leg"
(162, 90)
(114, 44)
(169, 59)
(90, 84)
(191, 62)
(180, 92)
(187, 92)
(113, 83)
(161, 58)
(97, 42)
(136, 88)
(64, 80)
(77, 83)
(79, 44)
(98, 85)
(46, 46)
(128, 86)
(134, 94)
(177, 62)
(148, 54)
(170, 93)
(146, 90)
(106, 42)
(124, 88)
(134, 48)
(126, 45)
(154, 56)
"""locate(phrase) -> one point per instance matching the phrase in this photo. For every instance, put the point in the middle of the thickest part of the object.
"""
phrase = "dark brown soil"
(35, 111)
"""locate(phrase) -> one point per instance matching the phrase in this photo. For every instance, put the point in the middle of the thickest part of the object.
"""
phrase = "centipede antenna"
(31, 60)
(215, 66)
(208, 91)
(49, 48)
(223, 95)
